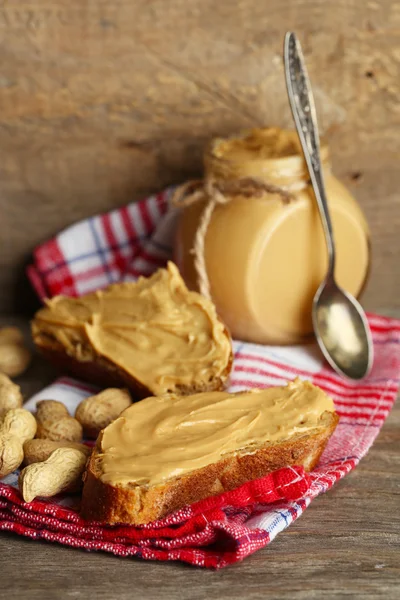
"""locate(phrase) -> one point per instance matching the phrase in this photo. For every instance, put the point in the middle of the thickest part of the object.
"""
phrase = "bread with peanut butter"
(153, 336)
(166, 452)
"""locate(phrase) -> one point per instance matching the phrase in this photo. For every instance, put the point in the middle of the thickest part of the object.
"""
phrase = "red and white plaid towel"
(219, 531)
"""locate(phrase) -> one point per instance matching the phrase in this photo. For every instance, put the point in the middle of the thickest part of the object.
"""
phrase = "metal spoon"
(340, 324)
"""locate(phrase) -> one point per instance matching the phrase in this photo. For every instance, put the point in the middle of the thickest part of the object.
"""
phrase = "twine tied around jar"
(219, 192)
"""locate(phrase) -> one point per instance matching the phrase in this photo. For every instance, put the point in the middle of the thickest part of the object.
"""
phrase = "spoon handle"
(303, 108)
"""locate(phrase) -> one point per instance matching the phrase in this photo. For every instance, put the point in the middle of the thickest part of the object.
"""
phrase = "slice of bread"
(153, 336)
(251, 434)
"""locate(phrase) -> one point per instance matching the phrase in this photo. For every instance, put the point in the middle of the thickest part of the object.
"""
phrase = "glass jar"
(265, 256)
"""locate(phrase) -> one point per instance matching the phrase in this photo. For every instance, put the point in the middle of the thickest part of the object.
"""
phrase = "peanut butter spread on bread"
(164, 437)
(155, 329)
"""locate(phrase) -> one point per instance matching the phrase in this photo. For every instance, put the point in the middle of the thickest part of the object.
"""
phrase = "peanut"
(14, 356)
(39, 450)
(14, 359)
(61, 472)
(50, 410)
(10, 395)
(11, 335)
(98, 411)
(11, 454)
(19, 423)
(55, 423)
(18, 426)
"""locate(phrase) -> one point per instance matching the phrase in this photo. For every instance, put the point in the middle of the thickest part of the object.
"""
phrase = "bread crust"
(139, 505)
(104, 373)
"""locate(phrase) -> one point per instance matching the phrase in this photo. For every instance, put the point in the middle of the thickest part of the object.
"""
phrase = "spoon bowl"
(342, 330)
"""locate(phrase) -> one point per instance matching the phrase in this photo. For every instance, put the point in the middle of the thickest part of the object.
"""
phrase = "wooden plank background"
(102, 102)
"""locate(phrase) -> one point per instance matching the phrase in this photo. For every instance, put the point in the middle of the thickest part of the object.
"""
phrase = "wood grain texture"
(346, 545)
(103, 102)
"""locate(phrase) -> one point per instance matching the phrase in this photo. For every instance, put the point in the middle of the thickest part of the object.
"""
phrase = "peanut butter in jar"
(264, 254)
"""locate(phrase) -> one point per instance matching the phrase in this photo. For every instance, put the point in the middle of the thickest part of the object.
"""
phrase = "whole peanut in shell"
(61, 472)
(17, 427)
(14, 359)
(39, 450)
(96, 412)
(11, 335)
(10, 395)
(55, 423)
(14, 356)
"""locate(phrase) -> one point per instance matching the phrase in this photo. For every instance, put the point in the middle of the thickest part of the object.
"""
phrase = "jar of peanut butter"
(264, 252)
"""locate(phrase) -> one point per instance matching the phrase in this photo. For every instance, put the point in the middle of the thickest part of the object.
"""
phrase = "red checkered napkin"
(216, 532)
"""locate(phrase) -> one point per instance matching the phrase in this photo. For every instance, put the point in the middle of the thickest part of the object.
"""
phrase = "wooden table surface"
(346, 545)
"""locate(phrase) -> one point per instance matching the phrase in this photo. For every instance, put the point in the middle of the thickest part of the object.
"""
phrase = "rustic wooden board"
(103, 102)
(346, 545)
